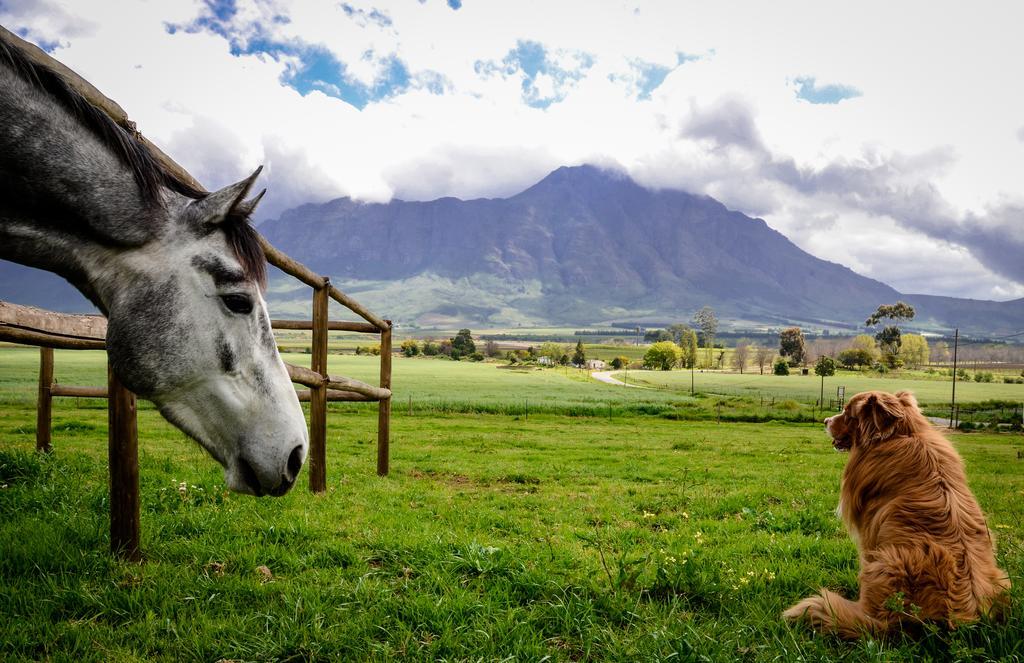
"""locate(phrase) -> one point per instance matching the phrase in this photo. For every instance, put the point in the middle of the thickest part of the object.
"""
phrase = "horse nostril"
(250, 477)
(294, 464)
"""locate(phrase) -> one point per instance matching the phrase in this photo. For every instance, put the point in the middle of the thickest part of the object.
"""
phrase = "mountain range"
(587, 246)
(584, 246)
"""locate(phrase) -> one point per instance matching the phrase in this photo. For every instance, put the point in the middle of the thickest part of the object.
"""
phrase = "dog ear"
(907, 399)
(879, 416)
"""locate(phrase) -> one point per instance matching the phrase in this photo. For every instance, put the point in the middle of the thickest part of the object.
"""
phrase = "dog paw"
(810, 609)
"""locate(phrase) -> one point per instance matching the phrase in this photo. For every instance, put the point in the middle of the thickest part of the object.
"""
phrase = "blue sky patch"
(646, 76)
(363, 17)
(649, 77)
(530, 60)
(312, 66)
(808, 90)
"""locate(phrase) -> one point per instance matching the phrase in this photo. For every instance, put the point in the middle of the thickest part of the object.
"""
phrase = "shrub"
(431, 348)
(781, 367)
(410, 348)
(476, 356)
(663, 355)
(619, 362)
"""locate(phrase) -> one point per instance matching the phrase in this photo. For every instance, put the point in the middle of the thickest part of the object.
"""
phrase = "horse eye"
(241, 304)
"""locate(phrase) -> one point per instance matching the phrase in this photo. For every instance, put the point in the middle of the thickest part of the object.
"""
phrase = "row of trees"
(889, 347)
(459, 346)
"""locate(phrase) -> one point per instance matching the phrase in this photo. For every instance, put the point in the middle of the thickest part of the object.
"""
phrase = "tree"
(889, 338)
(662, 355)
(825, 367)
(618, 363)
(940, 352)
(708, 323)
(657, 335)
(552, 351)
(579, 358)
(914, 350)
(410, 348)
(678, 331)
(781, 367)
(856, 358)
(431, 348)
(462, 344)
(762, 357)
(740, 356)
(564, 359)
(791, 345)
(491, 349)
(866, 343)
(688, 344)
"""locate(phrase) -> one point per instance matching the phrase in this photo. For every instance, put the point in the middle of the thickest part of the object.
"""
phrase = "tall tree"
(707, 321)
(791, 345)
(579, 358)
(463, 343)
(890, 337)
(762, 357)
(741, 355)
(915, 350)
(688, 344)
(825, 366)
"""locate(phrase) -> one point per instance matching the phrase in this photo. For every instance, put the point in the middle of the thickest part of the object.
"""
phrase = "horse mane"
(150, 175)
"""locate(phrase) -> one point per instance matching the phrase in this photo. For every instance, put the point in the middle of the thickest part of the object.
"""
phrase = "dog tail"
(831, 613)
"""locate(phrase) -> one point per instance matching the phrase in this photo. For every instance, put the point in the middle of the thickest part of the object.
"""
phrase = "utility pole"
(952, 405)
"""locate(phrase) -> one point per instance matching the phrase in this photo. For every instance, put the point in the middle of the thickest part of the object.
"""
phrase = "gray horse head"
(191, 333)
(179, 272)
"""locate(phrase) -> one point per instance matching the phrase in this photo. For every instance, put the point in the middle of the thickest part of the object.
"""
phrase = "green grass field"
(808, 386)
(496, 537)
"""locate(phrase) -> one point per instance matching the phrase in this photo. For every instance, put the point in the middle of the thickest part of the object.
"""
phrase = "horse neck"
(68, 203)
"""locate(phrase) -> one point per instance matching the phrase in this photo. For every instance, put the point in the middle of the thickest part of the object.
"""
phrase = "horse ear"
(226, 202)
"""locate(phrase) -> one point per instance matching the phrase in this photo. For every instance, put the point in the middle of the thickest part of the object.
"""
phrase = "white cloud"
(920, 170)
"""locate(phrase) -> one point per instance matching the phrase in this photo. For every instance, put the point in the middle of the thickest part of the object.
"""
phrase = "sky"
(887, 137)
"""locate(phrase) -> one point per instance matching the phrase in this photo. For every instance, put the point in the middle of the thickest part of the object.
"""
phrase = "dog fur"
(926, 553)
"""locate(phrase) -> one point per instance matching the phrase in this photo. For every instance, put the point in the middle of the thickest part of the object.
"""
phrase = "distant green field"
(433, 382)
(808, 387)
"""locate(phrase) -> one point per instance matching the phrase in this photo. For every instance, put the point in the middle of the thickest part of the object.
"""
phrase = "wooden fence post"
(384, 406)
(318, 395)
(123, 451)
(45, 402)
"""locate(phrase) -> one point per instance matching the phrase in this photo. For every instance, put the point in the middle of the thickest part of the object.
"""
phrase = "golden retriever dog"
(926, 553)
